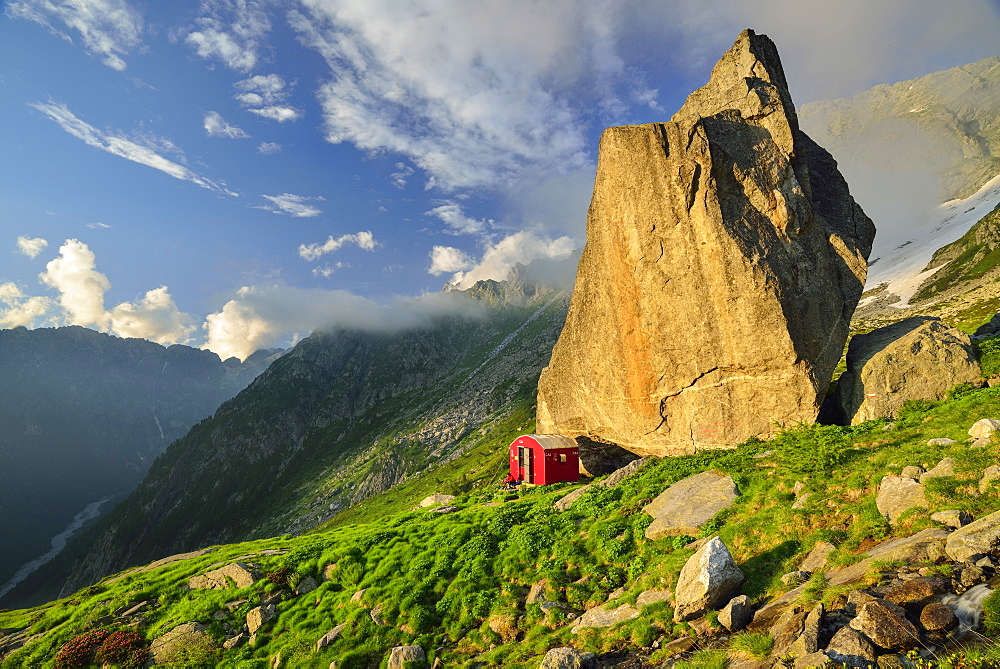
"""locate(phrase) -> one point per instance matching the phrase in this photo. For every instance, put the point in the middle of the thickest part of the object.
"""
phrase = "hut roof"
(551, 441)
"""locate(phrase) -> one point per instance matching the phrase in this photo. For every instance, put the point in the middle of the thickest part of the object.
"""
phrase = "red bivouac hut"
(544, 458)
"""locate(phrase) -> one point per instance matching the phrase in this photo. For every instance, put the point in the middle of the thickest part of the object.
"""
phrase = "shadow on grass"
(761, 570)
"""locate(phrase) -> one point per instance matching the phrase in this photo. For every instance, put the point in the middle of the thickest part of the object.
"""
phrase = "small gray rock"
(952, 518)
(709, 578)
(940, 441)
(568, 658)
(912, 472)
(737, 614)
(401, 655)
(984, 429)
(944, 468)
(990, 474)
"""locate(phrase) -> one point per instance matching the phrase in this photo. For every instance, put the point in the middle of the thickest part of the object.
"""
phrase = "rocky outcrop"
(568, 658)
(918, 358)
(709, 579)
(688, 504)
(406, 656)
(237, 574)
(725, 220)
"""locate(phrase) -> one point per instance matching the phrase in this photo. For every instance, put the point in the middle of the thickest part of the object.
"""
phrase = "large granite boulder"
(897, 495)
(708, 580)
(725, 221)
(918, 358)
(688, 504)
(977, 538)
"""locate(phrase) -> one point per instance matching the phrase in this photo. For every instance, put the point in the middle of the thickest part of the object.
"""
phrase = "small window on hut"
(562, 457)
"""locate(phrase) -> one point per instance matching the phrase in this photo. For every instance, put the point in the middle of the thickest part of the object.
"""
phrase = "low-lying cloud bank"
(255, 317)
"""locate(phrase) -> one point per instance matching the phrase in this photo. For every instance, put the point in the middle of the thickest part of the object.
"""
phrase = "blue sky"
(236, 173)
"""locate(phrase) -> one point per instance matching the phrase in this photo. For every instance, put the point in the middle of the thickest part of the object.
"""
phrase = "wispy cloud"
(364, 240)
(265, 95)
(451, 214)
(122, 146)
(472, 93)
(294, 205)
(108, 28)
(216, 126)
(97, 225)
(267, 148)
(231, 31)
(326, 271)
(401, 176)
(31, 246)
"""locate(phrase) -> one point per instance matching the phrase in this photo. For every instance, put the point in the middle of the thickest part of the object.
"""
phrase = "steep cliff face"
(82, 416)
(342, 416)
(724, 259)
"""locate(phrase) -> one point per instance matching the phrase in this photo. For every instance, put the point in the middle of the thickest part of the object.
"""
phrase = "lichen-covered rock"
(990, 474)
(938, 617)
(977, 538)
(984, 428)
(918, 358)
(725, 218)
(808, 641)
(818, 556)
(437, 499)
(708, 579)
(886, 625)
(897, 495)
(851, 648)
(330, 636)
(737, 614)
(406, 656)
(237, 574)
(916, 591)
(568, 658)
(260, 615)
(690, 503)
(602, 616)
(952, 518)
(944, 468)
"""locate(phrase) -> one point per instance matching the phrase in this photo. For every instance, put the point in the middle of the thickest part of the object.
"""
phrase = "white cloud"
(123, 147)
(364, 240)
(472, 93)
(31, 246)
(21, 311)
(400, 177)
(108, 28)
(448, 260)
(216, 126)
(265, 316)
(154, 317)
(452, 215)
(81, 287)
(521, 247)
(265, 95)
(294, 205)
(97, 225)
(232, 31)
(267, 148)
(279, 113)
(326, 271)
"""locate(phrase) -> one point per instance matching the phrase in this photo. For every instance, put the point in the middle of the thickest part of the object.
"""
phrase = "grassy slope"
(441, 579)
(968, 258)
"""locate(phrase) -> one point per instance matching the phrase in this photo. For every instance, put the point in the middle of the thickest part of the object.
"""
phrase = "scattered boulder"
(708, 579)
(916, 592)
(234, 641)
(567, 500)
(818, 556)
(886, 625)
(690, 503)
(808, 642)
(944, 468)
(307, 584)
(737, 614)
(912, 472)
(990, 474)
(437, 499)
(654, 596)
(795, 577)
(938, 617)
(330, 636)
(406, 656)
(505, 626)
(601, 616)
(240, 574)
(940, 441)
(728, 214)
(898, 494)
(851, 648)
(176, 643)
(260, 615)
(952, 518)
(623, 473)
(918, 358)
(984, 429)
(568, 658)
(977, 538)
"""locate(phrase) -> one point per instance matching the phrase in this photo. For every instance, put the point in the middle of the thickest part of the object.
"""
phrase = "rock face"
(688, 504)
(709, 579)
(725, 220)
(918, 358)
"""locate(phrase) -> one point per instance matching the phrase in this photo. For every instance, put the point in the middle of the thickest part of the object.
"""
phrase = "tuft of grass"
(750, 645)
